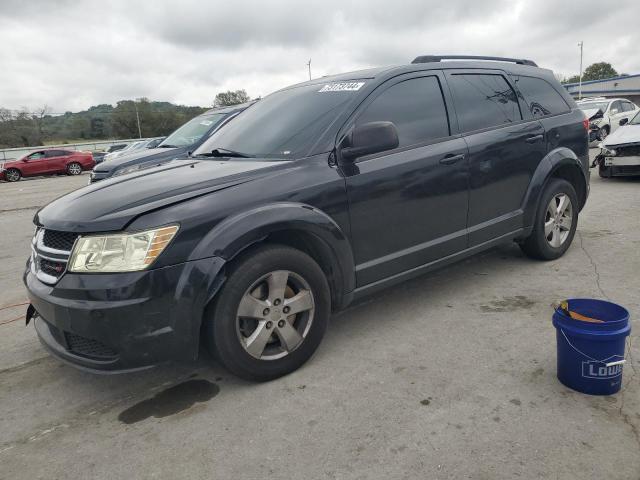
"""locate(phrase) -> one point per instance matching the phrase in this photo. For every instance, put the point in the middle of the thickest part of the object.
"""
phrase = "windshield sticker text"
(342, 87)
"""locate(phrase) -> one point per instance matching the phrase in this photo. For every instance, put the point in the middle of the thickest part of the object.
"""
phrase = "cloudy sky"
(71, 54)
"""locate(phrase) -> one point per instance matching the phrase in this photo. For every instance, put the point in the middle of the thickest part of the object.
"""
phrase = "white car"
(605, 114)
(620, 155)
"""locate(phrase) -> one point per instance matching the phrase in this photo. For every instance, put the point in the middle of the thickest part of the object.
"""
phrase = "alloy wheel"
(75, 169)
(274, 315)
(12, 175)
(558, 220)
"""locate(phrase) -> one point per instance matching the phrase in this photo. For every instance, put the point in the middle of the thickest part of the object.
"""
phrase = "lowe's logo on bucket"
(600, 370)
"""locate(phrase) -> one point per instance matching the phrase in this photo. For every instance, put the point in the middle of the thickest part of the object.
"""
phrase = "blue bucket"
(591, 355)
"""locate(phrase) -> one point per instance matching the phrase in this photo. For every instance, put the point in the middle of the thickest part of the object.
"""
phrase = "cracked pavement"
(451, 375)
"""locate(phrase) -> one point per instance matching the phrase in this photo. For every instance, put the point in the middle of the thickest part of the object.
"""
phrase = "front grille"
(59, 240)
(87, 347)
(55, 269)
(631, 151)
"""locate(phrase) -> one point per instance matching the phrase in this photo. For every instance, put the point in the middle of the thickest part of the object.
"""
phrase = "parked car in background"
(115, 147)
(154, 142)
(320, 194)
(123, 151)
(620, 151)
(183, 140)
(605, 114)
(47, 162)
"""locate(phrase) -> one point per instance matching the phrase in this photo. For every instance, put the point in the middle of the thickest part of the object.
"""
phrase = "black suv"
(184, 139)
(317, 195)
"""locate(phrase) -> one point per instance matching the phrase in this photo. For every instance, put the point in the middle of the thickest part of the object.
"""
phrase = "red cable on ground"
(12, 320)
(14, 305)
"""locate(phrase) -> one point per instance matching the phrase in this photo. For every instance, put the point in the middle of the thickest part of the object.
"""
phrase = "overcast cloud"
(74, 54)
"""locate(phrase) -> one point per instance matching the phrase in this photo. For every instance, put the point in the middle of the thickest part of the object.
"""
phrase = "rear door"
(408, 206)
(55, 161)
(505, 147)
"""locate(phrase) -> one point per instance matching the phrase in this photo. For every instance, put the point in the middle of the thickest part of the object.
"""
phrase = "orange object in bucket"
(564, 306)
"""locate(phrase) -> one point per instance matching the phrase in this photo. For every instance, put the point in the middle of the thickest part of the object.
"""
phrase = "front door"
(35, 164)
(506, 145)
(408, 206)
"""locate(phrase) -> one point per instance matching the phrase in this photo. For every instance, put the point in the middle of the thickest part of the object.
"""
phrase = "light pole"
(581, 45)
(309, 65)
(135, 104)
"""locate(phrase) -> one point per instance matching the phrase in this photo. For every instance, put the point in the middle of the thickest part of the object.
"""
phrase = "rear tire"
(555, 222)
(74, 168)
(262, 285)
(12, 175)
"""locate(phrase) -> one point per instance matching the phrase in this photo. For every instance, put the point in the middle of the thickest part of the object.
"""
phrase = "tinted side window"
(484, 100)
(541, 97)
(415, 106)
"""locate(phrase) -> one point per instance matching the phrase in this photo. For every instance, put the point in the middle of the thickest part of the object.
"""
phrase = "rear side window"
(415, 106)
(541, 97)
(484, 100)
(628, 106)
(54, 153)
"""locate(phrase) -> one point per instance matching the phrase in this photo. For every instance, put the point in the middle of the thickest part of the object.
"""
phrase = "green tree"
(231, 97)
(572, 79)
(598, 71)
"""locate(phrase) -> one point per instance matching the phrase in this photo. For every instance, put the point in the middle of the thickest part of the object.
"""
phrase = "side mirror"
(623, 121)
(368, 138)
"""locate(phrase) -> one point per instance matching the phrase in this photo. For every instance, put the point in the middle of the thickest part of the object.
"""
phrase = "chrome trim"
(41, 246)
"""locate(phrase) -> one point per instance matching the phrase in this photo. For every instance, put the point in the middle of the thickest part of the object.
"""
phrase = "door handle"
(450, 159)
(534, 138)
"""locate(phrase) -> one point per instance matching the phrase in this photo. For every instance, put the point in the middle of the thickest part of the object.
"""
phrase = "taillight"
(585, 124)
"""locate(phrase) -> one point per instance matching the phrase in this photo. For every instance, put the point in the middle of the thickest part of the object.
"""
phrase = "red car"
(47, 162)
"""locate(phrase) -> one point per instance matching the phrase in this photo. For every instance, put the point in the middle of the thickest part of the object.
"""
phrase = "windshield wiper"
(224, 152)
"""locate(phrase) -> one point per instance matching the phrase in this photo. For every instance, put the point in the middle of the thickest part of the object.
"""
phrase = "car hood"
(591, 112)
(111, 204)
(135, 157)
(623, 135)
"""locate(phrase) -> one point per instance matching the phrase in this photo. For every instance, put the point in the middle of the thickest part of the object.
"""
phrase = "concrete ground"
(449, 376)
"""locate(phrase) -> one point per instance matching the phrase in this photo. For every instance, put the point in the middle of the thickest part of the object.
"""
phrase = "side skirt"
(366, 290)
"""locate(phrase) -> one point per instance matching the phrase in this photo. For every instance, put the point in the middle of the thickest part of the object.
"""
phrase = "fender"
(235, 233)
(554, 160)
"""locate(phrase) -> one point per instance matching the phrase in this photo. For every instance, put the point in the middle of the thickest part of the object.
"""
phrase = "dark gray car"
(183, 140)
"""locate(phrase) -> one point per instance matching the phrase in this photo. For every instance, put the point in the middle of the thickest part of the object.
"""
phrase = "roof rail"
(439, 58)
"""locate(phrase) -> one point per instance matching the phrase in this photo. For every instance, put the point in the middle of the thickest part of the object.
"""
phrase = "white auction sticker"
(342, 87)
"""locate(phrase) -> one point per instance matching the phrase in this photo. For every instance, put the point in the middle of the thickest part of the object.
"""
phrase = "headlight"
(120, 252)
(607, 151)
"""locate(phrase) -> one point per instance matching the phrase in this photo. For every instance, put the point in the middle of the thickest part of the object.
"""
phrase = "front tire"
(603, 133)
(555, 222)
(604, 172)
(12, 175)
(270, 315)
(74, 168)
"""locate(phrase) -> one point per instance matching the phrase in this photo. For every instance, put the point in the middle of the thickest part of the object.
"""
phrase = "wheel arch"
(293, 224)
(559, 163)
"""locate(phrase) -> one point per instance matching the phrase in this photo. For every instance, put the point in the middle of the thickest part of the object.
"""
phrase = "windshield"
(193, 130)
(635, 120)
(593, 105)
(285, 124)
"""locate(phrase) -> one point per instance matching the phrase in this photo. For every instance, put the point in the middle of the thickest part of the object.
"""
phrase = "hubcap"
(12, 176)
(275, 315)
(558, 220)
(74, 169)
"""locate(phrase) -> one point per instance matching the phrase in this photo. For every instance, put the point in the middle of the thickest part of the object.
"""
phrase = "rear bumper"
(115, 323)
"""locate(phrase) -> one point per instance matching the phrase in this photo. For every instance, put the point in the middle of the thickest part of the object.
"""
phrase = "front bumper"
(97, 176)
(125, 321)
